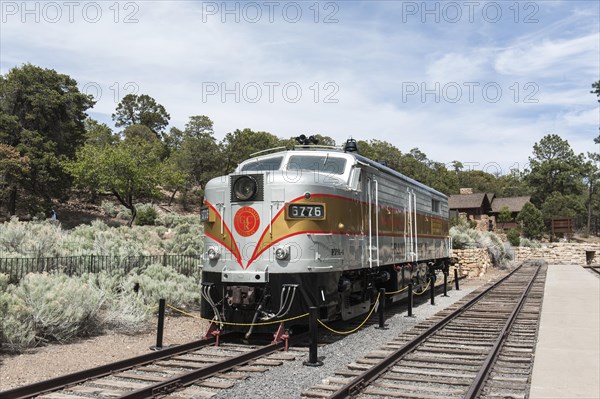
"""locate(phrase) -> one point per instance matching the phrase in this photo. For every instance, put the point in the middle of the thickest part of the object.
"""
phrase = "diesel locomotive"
(315, 226)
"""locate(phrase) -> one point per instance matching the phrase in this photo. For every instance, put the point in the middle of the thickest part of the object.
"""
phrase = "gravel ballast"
(292, 378)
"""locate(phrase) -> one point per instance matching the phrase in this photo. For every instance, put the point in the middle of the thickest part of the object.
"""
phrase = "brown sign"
(562, 225)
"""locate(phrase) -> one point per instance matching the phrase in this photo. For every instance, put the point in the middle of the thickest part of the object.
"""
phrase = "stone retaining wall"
(559, 252)
(472, 262)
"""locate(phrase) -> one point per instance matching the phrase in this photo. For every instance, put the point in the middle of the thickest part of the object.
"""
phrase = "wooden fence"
(17, 268)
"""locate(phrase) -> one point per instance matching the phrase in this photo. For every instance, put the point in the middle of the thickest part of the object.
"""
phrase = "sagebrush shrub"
(12, 235)
(174, 219)
(109, 208)
(145, 215)
(124, 310)
(463, 236)
(124, 213)
(163, 282)
(62, 307)
(30, 239)
(45, 239)
(4, 281)
(526, 242)
(16, 325)
(49, 307)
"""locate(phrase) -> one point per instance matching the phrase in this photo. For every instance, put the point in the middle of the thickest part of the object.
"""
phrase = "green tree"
(381, 151)
(325, 140)
(42, 115)
(478, 180)
(415, 164)
(596, 91)
(12, 169)
(504, 216)
(514, 237)
(592, 180)
(238, 145)
(99, 134)
(141, 110)
(559, 205)
(129, 170)
(592, 174)
(442, 179)
(512, 184)
(457, 166)
(195, 154)
(140, 132)
(532, 221)
(554, 168)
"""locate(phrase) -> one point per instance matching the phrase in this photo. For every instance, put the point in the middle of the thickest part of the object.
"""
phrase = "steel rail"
(365, 378)
(595, 269)
(64, 381)
(481, 376)
(191, 377)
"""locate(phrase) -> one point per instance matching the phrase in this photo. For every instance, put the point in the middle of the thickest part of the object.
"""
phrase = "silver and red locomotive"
(315, 226)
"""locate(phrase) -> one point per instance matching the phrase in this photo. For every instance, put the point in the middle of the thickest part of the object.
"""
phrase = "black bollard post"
(410, 300)
(432, 289)
(313, 361)
(445, 283)
(381, 309)
(160, 327)
(456, 278)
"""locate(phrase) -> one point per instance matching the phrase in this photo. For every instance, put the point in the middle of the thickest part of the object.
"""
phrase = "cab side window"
(356, 179)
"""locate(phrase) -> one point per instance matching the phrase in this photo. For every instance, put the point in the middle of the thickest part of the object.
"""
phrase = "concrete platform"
(567, 357)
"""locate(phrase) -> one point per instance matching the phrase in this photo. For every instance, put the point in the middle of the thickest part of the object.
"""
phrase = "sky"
(474, 81)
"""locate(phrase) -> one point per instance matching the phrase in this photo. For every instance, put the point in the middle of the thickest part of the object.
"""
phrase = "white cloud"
(170, 53)
(551, 57)
(585, 117)
(454, 67)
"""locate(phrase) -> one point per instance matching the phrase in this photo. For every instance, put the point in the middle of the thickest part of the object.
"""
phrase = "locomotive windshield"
(320, 163)
(258, 165)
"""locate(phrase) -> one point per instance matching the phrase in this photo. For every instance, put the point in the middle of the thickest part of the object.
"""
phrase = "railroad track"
(482, 347)
(595, 269)
(189, 368)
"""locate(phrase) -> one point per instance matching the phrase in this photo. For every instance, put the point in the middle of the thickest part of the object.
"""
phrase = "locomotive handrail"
(267, 150)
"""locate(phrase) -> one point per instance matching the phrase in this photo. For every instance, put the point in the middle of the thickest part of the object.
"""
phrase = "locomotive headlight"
(213, 253)
(245, 188)
(282, 253)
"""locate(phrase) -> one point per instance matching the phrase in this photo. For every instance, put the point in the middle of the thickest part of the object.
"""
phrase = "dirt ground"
(54, 360)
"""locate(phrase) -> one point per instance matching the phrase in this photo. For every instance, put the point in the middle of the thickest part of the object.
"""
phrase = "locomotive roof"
(359, 158)
(391, 171)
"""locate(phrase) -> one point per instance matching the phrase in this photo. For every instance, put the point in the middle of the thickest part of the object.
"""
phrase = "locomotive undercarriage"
(336, 294)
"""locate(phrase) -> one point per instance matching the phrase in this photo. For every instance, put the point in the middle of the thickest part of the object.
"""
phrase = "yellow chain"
(424, 289)
(397, 292)
(361, 324)
(237, 324)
